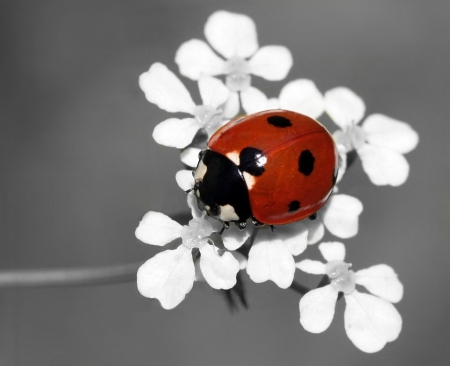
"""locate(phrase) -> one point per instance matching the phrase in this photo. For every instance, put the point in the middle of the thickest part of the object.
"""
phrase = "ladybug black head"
(220, 189)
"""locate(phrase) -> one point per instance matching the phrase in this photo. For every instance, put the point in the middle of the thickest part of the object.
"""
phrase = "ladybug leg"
(272, 228)
(256, 222)
(313, 216)
(226, 226)
(189, 191)
(241, 225)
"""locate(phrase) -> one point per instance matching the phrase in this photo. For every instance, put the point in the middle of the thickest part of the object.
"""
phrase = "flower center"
(342, 279)
(196, 234)
(208, 117)
(237, 71)
(352, 138)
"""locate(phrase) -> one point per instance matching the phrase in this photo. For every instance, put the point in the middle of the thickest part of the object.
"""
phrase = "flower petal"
(233, 238)
(270, 259)
(157, 229)
(302, 96)
(254, 100)
(213, 91)
(370, 322)
(168, 276)
(195, 58)
(382, 281)
(294, 236)
(231, 34)
(174, 132)
(231, 107)
(312, 267)
(344, 106)
(332, 251)
(316, 229)
(341, 214)
(219, 271)
(189, 156)
(384, 166)
(163, 88)
(184, 179)
(384, 131)
(317, 309)
(271, 62)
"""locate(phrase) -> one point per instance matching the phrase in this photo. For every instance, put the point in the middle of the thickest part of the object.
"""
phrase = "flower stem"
(69, 277)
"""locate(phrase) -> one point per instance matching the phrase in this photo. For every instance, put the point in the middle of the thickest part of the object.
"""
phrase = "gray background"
(78, 169)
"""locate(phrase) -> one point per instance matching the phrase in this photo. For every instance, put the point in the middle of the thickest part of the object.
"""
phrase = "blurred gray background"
(78, 169)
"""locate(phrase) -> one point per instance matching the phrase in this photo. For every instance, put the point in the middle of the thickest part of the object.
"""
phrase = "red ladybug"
(275, 167)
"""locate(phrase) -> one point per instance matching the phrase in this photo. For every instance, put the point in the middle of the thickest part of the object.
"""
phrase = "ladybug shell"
(289, 162)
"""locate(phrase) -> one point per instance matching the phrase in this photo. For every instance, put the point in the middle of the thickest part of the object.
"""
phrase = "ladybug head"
(220, 189)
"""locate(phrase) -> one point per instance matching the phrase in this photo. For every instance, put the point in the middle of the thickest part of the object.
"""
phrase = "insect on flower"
(275, 167)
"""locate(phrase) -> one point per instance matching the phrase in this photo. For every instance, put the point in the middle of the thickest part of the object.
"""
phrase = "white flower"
(301, 96)
(380, 142)
(370, 321)
(169, 275)
(340, 215)
(234, 37)
(164, 89)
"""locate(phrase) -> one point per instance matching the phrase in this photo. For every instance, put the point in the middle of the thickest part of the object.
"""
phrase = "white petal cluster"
(370, 319)
(162, 87)
(380, 141)
(169, 275)
(233, 36)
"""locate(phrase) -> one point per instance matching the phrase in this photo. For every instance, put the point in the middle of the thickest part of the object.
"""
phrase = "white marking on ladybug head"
(249, 180)
(234, 157)
(227, 213)
(200, 171)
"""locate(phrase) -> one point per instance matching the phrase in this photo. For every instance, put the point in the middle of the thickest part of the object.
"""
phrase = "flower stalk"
(63, 277)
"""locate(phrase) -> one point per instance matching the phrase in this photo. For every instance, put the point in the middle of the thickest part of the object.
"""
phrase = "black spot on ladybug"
(306, 162)
(252, 161)
(279, 121)
(294, 206)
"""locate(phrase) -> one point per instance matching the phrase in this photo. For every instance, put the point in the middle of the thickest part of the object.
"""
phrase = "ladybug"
(275, 167)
